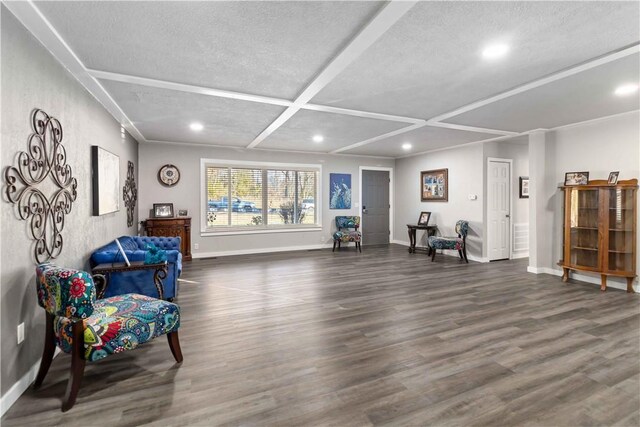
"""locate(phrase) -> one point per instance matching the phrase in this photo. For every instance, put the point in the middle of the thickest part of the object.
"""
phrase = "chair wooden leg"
(334, 246)
(460, 253)
(464, 252)
(77, 366)
(360, 246)
(339, 243)
(47, 352)
(433, 254)
(174, 345)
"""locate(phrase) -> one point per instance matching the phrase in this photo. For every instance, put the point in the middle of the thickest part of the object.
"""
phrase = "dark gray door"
(375, 207)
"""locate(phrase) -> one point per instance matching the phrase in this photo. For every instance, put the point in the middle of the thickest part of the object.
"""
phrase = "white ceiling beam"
(379, 25)
(543, 81)
(31, 17)
(200, 90)
(359, 113)
(469, 128)
(380, 137)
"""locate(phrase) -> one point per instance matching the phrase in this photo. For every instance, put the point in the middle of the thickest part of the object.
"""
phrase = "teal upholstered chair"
(91, 329)
(453, 243)
(347, 231)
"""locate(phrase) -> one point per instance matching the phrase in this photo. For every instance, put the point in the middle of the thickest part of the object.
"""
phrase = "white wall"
(465, 166)
(186, 195)
(599, 147)
(32, 78)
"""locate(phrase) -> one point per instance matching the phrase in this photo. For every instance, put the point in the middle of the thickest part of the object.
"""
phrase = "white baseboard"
(519, 255)
(611, 282)
(16, 390)
(250, 251)
(448, 253)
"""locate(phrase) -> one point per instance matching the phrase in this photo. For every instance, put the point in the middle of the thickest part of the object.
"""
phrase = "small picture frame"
(163, 210)
(424, 218)
(524, 187)
(613, 178)
(576, 178)
(183, 212)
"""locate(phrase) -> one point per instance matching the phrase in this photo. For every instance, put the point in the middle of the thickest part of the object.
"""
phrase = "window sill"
(209, 233)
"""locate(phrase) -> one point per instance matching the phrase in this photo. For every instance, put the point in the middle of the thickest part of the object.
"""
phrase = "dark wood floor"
(382, 337)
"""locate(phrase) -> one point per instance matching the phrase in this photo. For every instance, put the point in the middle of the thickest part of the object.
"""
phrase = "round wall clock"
(168, 175)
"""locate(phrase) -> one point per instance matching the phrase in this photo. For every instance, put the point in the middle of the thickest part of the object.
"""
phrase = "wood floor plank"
(317, 338)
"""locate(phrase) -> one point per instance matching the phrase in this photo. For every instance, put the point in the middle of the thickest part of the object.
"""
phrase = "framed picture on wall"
(434, 185)
(106, 181)
(524, 187)
(340, 191)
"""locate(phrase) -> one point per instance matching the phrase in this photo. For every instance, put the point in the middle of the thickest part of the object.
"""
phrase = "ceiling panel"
(422, 139)
(262, 48)
(165, 115)
(583, 96)
(338, 131)
(430, 61)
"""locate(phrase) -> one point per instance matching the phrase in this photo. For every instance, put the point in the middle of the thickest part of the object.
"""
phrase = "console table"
(101, 273)
(412, 228)
(172, 227)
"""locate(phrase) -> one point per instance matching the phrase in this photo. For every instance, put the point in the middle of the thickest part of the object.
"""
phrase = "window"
(252, 197)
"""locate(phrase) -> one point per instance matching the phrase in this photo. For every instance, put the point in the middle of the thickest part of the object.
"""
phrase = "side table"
(101, 273)
(412, 228)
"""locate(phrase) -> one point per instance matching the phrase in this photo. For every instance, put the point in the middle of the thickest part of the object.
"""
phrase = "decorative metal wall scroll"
(45, 157)
(130, 193)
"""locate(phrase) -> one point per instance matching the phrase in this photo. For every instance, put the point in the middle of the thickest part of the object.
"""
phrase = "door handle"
(364, 209)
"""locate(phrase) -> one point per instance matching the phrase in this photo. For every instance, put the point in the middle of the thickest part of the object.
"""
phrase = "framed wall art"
(163, 210)
(340, 191)
(524, 187)
(106, 181)
(434, 185)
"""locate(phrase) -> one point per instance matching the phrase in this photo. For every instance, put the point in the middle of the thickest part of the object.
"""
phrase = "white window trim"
(228, 231)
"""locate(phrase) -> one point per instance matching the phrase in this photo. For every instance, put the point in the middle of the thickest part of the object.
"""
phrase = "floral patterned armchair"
(345, 234)
(91, 329)
(454, 243)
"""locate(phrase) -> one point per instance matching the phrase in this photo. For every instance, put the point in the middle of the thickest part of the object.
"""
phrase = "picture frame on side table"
(613, 178)
(576, 178)
(424, 218)
(434, 185)
(183, 212)
(163, 210)
(524, 187)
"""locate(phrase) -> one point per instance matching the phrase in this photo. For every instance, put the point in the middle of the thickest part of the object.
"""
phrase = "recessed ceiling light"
(627, 89)
(406, 146)
(318, 138)
(495, 51)
(197, 127)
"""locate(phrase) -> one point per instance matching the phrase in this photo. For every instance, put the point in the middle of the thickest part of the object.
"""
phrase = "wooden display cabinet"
(172, 227)
(600, 223)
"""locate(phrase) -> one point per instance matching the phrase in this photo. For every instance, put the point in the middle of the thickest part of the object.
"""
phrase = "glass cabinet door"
(583, 212)
(620, 251)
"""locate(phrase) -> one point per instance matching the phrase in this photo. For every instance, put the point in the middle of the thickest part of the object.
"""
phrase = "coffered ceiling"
(366, 76)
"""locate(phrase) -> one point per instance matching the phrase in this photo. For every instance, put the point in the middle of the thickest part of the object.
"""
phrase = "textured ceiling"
(583, 96)
(338, 131)
(374, 58)
(421, 139)
(165, 115)
(262, 48)
(430, 61)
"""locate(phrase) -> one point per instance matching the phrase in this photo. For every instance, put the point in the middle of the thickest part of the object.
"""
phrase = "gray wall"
(32, 78)
(465, 166)
(186, 194)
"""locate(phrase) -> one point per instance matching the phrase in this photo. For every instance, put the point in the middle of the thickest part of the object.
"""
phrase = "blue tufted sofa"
(140, 282)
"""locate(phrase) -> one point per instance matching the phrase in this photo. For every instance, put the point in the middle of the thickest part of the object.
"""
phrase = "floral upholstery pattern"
(111, 325)
(454, 243)
(343, 224)
(120, 323)
(65, 292)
